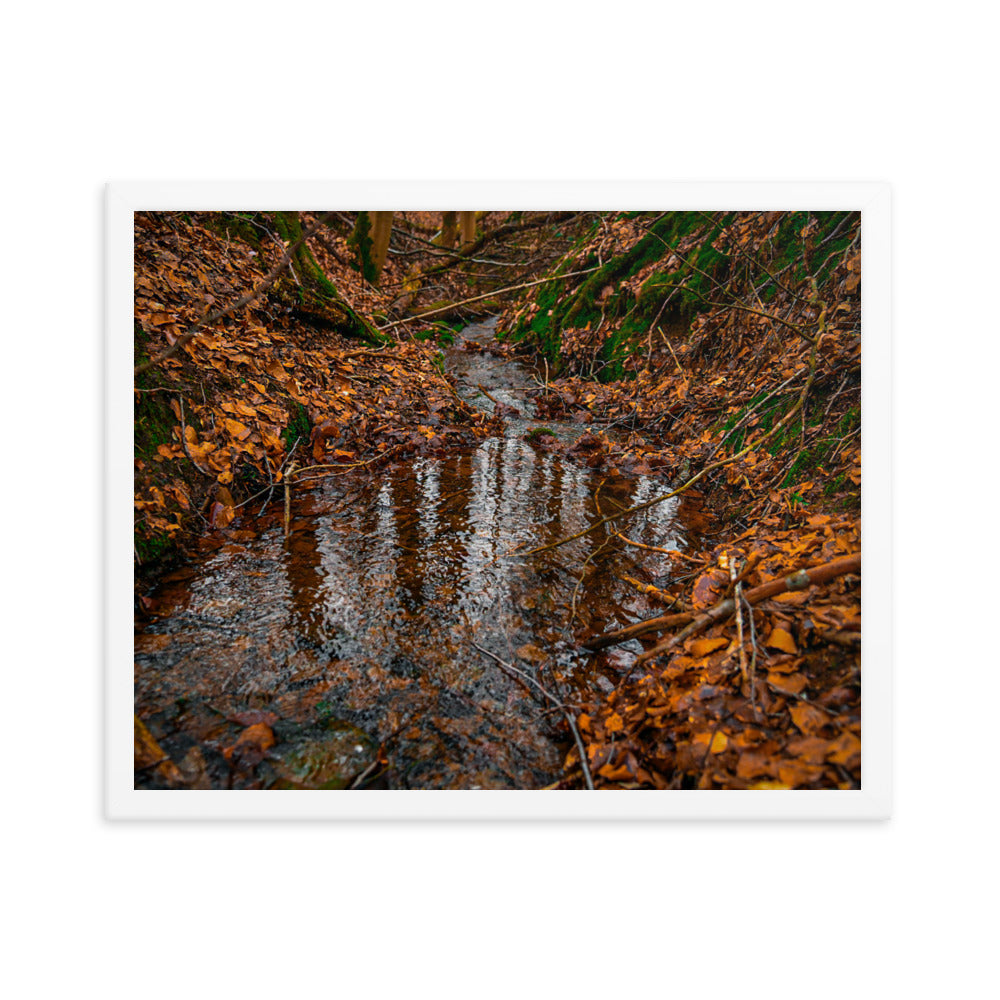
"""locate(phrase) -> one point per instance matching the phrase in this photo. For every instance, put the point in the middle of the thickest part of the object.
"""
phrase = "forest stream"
(357, 641)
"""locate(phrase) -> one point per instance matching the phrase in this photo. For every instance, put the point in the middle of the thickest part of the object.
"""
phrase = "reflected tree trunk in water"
(306, 580)
(407, 515)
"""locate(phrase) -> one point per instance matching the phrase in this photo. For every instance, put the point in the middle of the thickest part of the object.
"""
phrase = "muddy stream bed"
(359, 634)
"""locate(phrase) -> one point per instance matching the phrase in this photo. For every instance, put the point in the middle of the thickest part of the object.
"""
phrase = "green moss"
(360, 243)
(786, 252)
(153, 419)
(686, 290)
(631, 315)
(152, 547)
(539, 432)
(243, 226)
(298, 426)
(153, 424)
(443, 334)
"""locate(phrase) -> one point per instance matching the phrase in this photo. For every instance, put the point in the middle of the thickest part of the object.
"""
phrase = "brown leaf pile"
(784, 715)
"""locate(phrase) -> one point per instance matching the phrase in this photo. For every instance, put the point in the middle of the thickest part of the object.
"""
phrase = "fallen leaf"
(220, 515)
(250, 745)
(254, 717)
(781, 639)
(787, 683)
(808, 718)
(238, 430)
(709, 588)
(719, 741)
(795, 773)
(845, 749)
(702, 647)
(532, 654)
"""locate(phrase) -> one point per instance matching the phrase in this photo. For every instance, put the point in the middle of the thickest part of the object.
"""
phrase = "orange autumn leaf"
(787, 683)
(238, 430)
(808, 718)
(612, 773)
(797, 773)
(811, 749)
(781, 639)
(276, 370)
(702, 647)
(709, 588)
(251, 744)
(221, 516)
(844, 749)
(719, 741)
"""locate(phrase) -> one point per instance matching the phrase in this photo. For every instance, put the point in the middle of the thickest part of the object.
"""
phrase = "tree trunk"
(381, 231)
(467, 221)
(360, 242)
(449, 230)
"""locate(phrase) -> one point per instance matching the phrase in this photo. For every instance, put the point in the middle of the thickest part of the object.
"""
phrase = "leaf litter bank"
(768, 697)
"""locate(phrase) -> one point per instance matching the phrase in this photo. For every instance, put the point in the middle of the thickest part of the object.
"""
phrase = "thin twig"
(288, 502)
(738, 599)
(753, 656)
(340, 466)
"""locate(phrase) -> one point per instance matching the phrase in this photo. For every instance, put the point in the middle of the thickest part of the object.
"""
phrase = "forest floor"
(740, 682)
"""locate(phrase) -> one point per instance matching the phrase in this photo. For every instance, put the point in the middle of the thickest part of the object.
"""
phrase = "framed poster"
(550, 498)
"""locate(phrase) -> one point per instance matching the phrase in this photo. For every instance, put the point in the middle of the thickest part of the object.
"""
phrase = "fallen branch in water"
(736, 578)
(639, 628)
(665, 597)
(798, 580)
(656, 548)
(496, 402)
(555, 701)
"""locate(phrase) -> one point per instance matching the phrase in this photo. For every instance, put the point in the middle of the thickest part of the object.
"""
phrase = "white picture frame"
(122, 801)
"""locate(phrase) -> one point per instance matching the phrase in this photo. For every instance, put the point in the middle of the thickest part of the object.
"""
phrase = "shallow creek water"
(359, 633)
